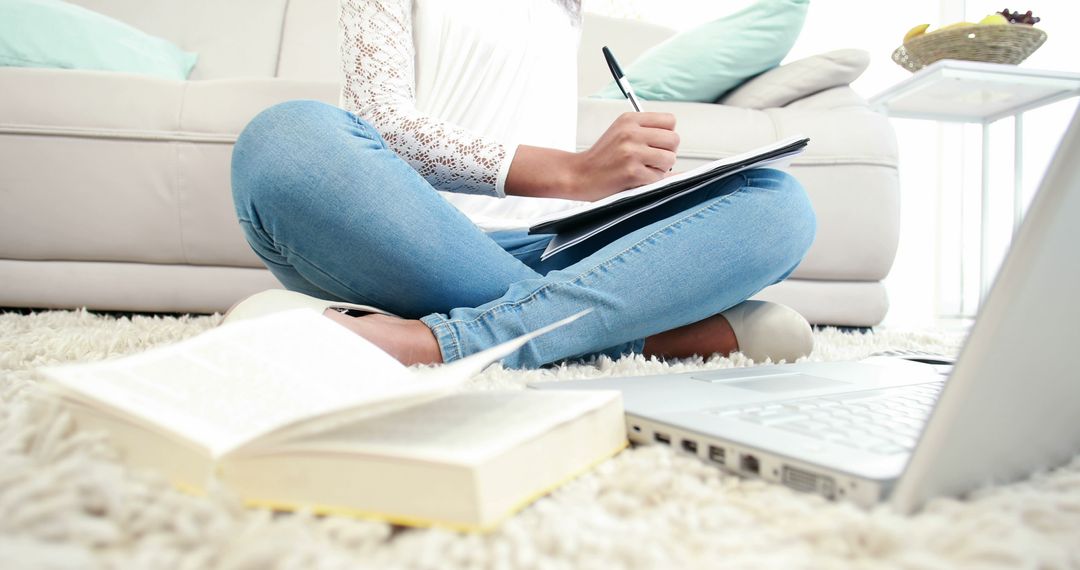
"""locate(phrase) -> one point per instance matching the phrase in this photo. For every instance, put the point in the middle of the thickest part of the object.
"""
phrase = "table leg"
(984, 222)
(1018, 171)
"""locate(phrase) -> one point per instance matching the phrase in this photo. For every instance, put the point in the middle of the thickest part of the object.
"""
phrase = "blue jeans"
(336, 214)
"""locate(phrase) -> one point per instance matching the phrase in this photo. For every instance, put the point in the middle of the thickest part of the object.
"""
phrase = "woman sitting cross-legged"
(455, 107)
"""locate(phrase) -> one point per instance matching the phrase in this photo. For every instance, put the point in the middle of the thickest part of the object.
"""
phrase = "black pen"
(621, 80)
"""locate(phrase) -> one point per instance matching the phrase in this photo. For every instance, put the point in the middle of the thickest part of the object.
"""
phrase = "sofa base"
(129, 287)
(143, 287)
(839, 303)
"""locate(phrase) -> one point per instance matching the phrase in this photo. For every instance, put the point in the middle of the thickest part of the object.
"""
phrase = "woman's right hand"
(637, 149)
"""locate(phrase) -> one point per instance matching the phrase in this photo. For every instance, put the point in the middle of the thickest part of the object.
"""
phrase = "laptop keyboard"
(885, 421)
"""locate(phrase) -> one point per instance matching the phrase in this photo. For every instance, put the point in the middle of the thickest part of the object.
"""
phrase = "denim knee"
(273, 155)
(791, 213)
(794, 212)
(276, 133)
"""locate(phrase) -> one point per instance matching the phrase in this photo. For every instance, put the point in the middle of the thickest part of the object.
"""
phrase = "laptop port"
(749, 463)
(716, 454)
(807, 481)
(689, 446)
(662, 438)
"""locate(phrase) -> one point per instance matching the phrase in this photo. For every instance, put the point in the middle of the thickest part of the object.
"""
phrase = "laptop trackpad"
(778, 382)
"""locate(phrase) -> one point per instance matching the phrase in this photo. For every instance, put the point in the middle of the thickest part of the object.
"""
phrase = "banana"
(916, 31)
(994, 20)
(956, 25)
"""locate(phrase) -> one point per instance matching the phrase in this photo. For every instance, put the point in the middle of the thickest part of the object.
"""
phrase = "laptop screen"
(1012, 403)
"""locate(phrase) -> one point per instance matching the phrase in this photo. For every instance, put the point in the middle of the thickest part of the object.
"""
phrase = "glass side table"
(977, 92)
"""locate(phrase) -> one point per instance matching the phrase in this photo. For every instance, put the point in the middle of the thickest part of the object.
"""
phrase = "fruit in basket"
(1003, 37)
(956, 25)
(995, 19)
(916, 31)
(1018, 18)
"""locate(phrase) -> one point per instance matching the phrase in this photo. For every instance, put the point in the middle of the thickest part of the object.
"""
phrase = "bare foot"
(704, 338)
(409, 341)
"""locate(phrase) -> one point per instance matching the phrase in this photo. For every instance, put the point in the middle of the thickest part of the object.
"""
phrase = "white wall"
(940, 164)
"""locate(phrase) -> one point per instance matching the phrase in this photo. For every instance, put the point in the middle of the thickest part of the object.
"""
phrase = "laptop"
(903, 432)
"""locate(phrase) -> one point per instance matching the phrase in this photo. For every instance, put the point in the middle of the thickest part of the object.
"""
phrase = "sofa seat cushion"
(709, 131)
(141, 178)
(106, 104)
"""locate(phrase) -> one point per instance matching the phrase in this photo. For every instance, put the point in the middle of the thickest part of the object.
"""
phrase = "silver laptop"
(909, 431)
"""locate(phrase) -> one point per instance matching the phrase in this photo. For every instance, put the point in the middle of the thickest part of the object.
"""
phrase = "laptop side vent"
(808, 482)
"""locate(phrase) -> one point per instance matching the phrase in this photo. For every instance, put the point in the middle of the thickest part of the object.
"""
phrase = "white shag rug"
(66, 502)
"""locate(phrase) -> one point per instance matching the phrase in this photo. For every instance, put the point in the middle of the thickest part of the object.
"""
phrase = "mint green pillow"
(703, 63)
(51, 33)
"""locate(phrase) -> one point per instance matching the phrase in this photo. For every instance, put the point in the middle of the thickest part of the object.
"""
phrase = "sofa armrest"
(849, 171)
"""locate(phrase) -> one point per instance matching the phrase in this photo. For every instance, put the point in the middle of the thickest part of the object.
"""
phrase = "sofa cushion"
(708, 131)
(54, 102)
(703, 63)
(835, 99)
(144, 178)
(59, 101)
(234, 38)
(782, 85)
(55, 34)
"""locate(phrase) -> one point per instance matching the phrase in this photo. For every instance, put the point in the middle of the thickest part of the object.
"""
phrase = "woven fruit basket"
(1010, 43)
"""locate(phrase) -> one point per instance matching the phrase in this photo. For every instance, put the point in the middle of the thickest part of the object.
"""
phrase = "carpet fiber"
(66, 502)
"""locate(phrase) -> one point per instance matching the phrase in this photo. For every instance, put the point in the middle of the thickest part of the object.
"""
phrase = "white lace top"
(455, 85)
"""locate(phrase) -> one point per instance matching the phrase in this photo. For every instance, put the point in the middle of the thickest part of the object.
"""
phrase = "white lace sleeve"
(378, 58)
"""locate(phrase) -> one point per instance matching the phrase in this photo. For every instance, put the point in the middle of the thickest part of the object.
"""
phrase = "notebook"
(577, 225)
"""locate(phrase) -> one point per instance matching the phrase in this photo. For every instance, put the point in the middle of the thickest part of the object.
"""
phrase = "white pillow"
(782, 85)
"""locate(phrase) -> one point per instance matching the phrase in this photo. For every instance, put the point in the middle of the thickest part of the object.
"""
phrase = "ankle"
(712, 335)
(408, 341)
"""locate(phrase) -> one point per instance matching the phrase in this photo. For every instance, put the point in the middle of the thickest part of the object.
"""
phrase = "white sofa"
(115, 187)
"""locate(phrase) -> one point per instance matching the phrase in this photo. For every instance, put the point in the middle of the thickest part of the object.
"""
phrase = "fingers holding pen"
(664, 121)
(657, 132)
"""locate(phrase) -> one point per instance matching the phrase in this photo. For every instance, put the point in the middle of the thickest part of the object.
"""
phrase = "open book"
(295, 411)
(577, 225)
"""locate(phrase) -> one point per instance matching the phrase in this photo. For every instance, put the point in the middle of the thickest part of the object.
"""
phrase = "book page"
(425, 384)
(233, 384)
(230, 384)
(466, 428)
